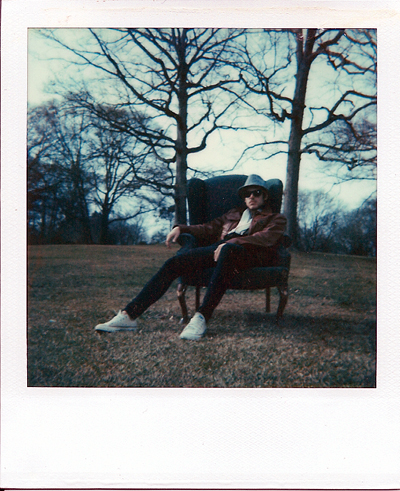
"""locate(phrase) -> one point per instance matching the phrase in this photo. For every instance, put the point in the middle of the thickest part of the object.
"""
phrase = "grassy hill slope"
(327, 337)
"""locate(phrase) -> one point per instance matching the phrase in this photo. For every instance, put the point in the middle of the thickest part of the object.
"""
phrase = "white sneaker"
(121, 322)
(196, 327)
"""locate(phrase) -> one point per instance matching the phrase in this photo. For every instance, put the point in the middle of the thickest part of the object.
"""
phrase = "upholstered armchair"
(211, 198)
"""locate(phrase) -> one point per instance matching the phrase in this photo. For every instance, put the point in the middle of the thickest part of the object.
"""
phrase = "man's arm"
(210, 231)
(172, 236)
(217, 252)
(268, 236)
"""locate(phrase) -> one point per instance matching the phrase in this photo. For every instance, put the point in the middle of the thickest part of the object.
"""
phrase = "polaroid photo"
(108, 110)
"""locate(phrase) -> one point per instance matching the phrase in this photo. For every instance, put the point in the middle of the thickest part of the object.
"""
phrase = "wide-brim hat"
(252, 181)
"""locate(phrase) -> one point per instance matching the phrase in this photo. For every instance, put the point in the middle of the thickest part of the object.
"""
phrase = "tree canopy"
(175, 76)
(330, 107)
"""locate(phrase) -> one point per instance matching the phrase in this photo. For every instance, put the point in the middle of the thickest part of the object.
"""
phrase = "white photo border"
(196, 438)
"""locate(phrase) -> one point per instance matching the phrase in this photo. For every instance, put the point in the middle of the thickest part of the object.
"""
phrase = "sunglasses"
(256, 193)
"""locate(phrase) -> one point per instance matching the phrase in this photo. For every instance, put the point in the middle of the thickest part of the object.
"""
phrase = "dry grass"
(327, 338)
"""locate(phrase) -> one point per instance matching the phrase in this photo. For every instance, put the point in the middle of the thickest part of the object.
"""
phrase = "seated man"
(243, 238)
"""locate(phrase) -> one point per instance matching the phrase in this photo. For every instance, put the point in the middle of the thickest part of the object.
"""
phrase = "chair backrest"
(211, 198)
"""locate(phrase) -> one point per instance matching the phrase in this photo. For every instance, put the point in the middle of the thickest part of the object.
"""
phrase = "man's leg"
(179, 265)
(232, 259)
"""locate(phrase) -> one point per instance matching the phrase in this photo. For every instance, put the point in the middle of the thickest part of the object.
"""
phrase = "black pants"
(232, 259)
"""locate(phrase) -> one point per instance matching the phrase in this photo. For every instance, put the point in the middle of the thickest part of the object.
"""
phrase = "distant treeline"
(324, 226)
(321, 228)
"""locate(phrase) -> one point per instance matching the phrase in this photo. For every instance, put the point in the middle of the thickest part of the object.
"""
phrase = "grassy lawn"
(327, 337)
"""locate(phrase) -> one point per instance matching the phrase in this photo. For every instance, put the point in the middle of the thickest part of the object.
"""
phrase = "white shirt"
(244, 223)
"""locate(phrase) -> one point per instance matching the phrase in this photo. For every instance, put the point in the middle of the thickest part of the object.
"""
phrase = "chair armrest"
(284, 256)
(187, 241)
(286, 241)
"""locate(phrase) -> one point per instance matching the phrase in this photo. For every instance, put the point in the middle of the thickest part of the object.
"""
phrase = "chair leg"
(268, 299)
(283, 298)
(181, 290)
(197, 298)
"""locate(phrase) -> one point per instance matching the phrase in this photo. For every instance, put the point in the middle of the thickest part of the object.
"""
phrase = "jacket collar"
(265, 210)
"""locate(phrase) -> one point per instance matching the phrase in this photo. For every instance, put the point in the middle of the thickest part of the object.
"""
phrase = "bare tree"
(319, 219)
(56, 140)
(43, 200)
(359, 231)
(325, 225)
(43, 186)
(121, 167)
(79, 165)
(334, 73)
(180, 77)
(347, 152)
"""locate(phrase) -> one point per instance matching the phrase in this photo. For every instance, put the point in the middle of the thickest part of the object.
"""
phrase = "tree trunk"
(304, 60)
(83, 209)
(103, 236)
(43, 236)
(292, 183)
(84, 216)
(181, 137)
(180, 179)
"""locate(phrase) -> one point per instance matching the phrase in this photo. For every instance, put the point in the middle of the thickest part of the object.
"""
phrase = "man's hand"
(172, 236)
(217, 252)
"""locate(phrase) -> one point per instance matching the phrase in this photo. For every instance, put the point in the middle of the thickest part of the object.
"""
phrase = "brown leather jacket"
(266, 228)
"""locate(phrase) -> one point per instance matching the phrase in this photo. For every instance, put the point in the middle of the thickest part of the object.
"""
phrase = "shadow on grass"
(258, 324)
(245, 350)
